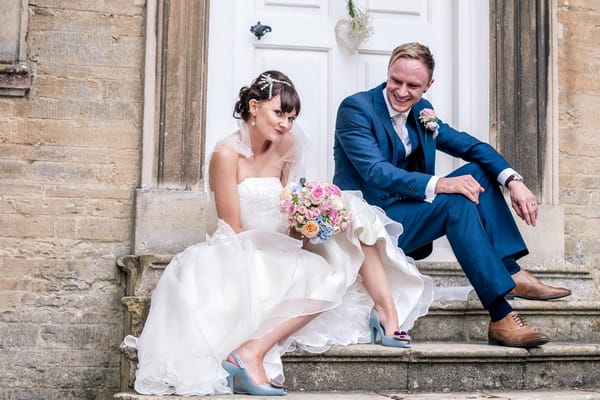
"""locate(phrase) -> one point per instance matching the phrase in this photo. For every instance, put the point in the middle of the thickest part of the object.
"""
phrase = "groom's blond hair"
(414, 50)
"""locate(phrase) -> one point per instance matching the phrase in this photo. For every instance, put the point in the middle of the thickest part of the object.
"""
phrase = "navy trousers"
(480, 234)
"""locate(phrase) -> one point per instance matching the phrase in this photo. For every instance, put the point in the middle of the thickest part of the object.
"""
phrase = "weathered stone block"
(119, 7)
(55, 88)
(9, 301)
(82, 48)
(90, 110)
(63, 19)
(102, 135)
(559, 366)
(29, 205)
(99, 228)
(13, 169)
(78, 337)
(545, 241)
(26, 226)
(18, 335)
(121, 90)
(167, 221)
(98, 191)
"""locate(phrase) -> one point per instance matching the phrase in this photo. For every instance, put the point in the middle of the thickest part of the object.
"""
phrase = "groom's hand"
(523, 202)
(464, 184)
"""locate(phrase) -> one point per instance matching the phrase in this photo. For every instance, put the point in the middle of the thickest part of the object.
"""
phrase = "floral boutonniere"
(430, 121)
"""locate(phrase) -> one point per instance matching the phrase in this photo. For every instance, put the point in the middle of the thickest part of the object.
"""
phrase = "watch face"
(516, 177)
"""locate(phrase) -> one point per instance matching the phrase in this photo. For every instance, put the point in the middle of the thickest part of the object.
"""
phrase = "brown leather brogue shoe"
(514, 331)
(530, 288)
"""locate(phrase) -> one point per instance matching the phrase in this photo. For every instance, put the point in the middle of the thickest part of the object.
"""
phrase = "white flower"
(430, 121)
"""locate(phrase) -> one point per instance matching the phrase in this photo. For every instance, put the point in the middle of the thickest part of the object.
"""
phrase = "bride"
(225, 310)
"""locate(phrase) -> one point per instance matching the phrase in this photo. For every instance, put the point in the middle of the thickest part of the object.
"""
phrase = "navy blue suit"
(369, 156)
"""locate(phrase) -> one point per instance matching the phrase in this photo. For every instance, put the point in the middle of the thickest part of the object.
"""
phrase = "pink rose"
(326, 205)
(334, 215)
(317, 195)
(428, 114)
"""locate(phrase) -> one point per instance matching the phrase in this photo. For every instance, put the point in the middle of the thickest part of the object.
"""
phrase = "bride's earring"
(253, 122)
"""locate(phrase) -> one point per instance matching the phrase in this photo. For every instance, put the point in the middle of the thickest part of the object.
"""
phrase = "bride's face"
(270, 121)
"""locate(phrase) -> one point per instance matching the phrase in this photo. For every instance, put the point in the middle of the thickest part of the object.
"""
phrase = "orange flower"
(310, 229)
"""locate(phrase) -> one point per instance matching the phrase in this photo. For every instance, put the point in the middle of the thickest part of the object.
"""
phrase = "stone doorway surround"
(524, 111)
(170, 199)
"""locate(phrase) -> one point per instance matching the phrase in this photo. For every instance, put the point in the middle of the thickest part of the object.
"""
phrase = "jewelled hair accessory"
(267, 80)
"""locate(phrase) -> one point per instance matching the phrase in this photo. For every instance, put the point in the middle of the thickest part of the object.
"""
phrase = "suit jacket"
(369, 156)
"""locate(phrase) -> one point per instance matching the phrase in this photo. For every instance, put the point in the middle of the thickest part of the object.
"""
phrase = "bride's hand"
(297, 235)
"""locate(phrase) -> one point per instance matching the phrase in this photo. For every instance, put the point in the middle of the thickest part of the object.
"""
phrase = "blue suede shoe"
(398, 339)
(239, 371)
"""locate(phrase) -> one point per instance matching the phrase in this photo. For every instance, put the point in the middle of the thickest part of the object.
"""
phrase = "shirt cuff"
(430, 189)
(504, 175)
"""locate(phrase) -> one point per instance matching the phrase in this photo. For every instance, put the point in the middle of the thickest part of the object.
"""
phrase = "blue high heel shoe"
(398, 339)
(240, 372)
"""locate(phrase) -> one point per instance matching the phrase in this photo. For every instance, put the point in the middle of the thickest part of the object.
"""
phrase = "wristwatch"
(513, 177)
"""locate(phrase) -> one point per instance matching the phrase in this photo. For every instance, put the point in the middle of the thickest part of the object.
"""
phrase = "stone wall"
(579, 127)
(69, 164)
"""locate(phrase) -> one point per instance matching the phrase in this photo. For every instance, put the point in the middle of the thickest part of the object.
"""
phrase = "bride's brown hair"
(266, 86)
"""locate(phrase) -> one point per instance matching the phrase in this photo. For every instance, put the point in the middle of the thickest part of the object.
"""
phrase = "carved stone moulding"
(15, 79)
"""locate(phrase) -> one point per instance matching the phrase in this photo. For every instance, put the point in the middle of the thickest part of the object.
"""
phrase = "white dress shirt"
(399, 123)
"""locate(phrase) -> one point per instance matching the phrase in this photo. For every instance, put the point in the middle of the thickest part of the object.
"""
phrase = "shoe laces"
(518, 318)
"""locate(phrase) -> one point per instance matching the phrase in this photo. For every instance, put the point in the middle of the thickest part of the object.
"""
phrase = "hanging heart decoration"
(352, 32)
(343, 30)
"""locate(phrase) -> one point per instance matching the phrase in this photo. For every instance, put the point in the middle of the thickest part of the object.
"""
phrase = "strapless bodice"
(259, 204)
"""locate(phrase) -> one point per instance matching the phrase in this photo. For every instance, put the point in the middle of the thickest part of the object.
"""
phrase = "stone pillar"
(524, 116)
(170, 202)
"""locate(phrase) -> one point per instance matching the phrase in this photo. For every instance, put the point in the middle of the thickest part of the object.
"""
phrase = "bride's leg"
(252, 352)
(377, 285)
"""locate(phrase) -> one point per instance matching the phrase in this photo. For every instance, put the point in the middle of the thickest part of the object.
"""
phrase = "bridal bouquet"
(315, 209)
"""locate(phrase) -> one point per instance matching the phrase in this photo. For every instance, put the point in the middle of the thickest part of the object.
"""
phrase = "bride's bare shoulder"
(226, 157)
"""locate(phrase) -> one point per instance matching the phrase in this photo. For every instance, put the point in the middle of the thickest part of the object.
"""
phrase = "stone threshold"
(438, 368)
(588, 394)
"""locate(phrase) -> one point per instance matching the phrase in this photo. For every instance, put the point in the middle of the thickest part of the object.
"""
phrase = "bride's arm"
(223, 182)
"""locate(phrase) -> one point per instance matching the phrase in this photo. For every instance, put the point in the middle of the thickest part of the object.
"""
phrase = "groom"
(385, 144)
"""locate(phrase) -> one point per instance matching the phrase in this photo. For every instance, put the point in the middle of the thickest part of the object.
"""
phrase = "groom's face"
(408, 79)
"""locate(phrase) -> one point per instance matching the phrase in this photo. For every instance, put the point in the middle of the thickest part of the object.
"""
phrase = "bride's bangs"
(290, 101)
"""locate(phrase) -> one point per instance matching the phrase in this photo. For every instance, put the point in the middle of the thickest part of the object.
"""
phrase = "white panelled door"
(302, 44)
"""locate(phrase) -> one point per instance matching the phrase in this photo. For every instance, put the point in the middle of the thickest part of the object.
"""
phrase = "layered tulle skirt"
(217, 294)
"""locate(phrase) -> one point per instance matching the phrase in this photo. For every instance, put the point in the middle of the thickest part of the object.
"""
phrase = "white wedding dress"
(217, 294)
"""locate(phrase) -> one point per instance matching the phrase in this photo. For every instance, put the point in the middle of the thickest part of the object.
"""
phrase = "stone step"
(589, 394)
(143, 271)
(466, 321)
(576, 277)
(440, 368)
(449, 351)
